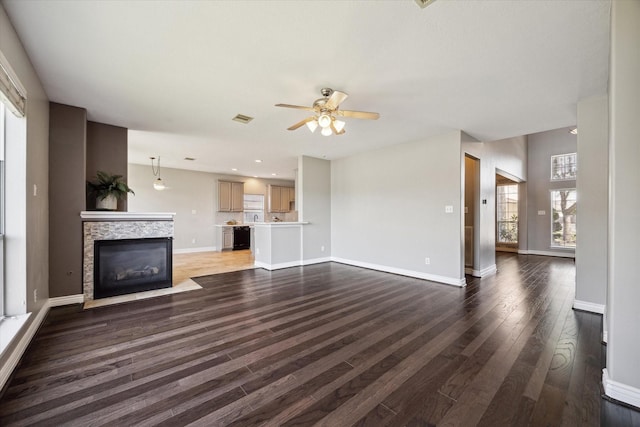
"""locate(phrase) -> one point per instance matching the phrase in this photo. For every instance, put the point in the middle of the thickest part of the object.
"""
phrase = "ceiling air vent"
(190, 158)
(242, 118)
(424, 3)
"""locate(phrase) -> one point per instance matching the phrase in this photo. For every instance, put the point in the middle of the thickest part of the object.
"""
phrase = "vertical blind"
(10, 95)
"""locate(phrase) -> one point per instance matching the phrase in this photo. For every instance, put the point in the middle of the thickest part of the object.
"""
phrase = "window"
(563, 167)
(253, 208)
(563, 218)
(2, 113)
(507, 213)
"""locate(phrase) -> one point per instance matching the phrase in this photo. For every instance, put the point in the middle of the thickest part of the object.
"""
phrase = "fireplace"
(126, 266)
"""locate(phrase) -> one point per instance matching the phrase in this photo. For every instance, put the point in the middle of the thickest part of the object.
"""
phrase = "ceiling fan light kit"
(325, 109)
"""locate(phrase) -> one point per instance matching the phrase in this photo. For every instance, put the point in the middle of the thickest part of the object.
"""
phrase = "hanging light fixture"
(158, 184)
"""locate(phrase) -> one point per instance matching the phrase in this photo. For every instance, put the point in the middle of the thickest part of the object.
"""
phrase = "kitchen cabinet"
(227, 238)
(230, 196)
(279, 198)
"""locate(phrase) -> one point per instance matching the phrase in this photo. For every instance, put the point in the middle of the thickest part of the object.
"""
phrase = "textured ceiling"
(176, 72)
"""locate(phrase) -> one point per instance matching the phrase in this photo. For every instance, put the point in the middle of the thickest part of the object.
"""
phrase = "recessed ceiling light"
(189, 158)
(241, 118)
(574, 131)
(234, 169)
(255, 176)
(258, 161)
(274, 174)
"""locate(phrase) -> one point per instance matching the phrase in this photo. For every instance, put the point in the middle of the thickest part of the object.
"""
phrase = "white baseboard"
(410, 273)
(315, 261)
(588, 306)
(548, 253)
(14, 357)
(272, 267)
(194, 250)
(621, 392)
(492, 269)
(66, 300)
(468, 270)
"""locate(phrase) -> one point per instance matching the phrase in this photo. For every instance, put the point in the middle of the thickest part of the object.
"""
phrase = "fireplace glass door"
(131, 265)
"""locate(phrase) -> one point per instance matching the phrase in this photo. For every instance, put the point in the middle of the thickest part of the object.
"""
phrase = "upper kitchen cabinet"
(230, 196)
(280, 198)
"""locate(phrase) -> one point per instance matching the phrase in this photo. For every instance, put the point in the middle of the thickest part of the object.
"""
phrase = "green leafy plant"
(109, 185)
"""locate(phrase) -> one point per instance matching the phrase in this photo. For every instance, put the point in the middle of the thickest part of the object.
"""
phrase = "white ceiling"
(176, 72)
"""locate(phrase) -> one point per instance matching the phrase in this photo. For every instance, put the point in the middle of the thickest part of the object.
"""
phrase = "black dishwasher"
(241, 238)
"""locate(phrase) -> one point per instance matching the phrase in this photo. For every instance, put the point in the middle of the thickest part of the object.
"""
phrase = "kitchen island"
(277, 244)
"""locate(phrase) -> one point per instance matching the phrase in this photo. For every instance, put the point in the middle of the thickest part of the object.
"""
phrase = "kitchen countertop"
(262, 224)
(252, 224)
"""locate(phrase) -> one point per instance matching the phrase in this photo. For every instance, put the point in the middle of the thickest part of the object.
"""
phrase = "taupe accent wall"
(106, 151)
(541, 147)
(67, 150)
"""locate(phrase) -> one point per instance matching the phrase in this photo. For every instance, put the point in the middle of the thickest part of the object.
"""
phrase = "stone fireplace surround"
(103, 225)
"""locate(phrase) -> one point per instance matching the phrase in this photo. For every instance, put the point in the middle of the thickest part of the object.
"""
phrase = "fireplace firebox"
(126, 266)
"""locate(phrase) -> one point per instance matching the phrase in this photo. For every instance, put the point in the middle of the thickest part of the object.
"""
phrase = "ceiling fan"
(326, 109)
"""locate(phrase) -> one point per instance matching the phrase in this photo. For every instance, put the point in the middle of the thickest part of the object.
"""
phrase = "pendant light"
(158, 184)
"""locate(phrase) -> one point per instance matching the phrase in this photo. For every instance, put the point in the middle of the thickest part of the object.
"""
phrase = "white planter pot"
(109, 203)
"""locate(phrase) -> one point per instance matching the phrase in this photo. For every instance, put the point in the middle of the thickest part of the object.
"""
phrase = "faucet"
(255, 218)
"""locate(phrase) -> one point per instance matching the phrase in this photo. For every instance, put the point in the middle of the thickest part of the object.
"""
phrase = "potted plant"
(108, 189)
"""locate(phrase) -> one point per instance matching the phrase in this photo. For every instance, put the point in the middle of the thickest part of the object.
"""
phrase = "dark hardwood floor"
(326, 344)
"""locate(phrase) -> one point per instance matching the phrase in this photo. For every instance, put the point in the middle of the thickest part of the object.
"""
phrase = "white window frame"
(564, 156)
(551, 205)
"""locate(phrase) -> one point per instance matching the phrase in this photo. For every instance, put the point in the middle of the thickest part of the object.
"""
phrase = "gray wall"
(388, 208)
(106, 151)
(314, 206)
(67, 140)
(509, 156)
(31, 164)
(592, 184)
(188, 191)
(623, 349)
(541, 147)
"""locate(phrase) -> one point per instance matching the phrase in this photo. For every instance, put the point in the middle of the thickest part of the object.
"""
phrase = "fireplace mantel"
(126, 216)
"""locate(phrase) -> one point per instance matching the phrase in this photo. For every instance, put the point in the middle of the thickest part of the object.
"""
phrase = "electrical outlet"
(321, 248)
(257, 251)
(35, 190)
(193, 240)
(35, 295)
(427, 261)
(193, 211)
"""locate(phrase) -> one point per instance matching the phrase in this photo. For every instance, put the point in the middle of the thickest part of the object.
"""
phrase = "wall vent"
(424, 3)
(190, 158)
(242, 118)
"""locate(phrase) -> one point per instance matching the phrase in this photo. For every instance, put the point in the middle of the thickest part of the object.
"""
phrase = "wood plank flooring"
(188, 265)
(326, 345)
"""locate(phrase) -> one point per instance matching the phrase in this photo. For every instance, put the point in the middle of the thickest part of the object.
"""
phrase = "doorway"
(507, 213)
(471, 213)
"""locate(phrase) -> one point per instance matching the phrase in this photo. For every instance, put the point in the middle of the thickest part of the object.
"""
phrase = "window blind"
(10, 95)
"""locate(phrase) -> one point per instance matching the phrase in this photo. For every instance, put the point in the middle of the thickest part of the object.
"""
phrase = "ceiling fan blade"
(301, 123)
(335, 99)
(298, 107)
(335, 131)
(358, 114)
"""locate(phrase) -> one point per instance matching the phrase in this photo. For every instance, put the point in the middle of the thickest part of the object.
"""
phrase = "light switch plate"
(448, 209)
(542, 212)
